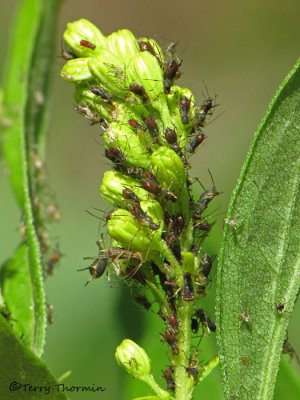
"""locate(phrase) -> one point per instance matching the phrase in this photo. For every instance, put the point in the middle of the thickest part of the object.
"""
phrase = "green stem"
(162, 394)
(184, 384)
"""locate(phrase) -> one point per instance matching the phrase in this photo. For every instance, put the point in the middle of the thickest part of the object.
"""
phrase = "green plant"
(149, 127)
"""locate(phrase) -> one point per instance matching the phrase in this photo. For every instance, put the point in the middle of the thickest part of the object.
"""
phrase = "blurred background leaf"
(21, 366)
(241, 51)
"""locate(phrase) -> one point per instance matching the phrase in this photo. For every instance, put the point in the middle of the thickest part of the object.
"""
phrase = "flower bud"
(109, 70)
(133, 359)
(76, 71)
(145, 71)
(168, 169)
(120, 136)
(113, 185)
(123, 45)
(181, 104)
(83, 38)
(151, 46)
(85, 97)
(130, 233)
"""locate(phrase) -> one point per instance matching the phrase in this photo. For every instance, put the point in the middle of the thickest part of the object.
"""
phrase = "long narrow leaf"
(259, 266)
(26, 86)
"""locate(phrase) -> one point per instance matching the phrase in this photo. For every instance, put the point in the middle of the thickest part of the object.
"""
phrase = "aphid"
(143, 301)
(150, 184)
(170, 136)
(147, 46)
(187, 293)
(287, 348)
(50, 313)
(204, 271)
(115, 253)
(115, 155)
(67, 55)
(203, 225)
(88, 113)
(140, 91)
(168, 375)
(136, 125)
(184, 108)
(194, 324)
(152, 128)
(173, 323)
(53, 212)
(87, 44)
(195, 141)
(245, 317)
(98, 91)
(142, 217)
(193, 369)
(205, 110)
(280, 307)
(171, 339)
(204, 320)
(170, 235)
(205, 198)
(206, 262)
(130, 195)
(171, 71)
(245, 361)
(179, 224)
(98, 266)
(53, 260)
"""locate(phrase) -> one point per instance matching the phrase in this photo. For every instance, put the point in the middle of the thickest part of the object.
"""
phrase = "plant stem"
(184, 384)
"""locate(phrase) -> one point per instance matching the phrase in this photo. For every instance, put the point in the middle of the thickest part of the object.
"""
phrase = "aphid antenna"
(211, 177)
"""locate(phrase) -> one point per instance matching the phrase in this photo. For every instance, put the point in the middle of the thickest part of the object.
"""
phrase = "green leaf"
(288, 382)
(20, 367)
(26, 93)
(259, 266)
(16, 289)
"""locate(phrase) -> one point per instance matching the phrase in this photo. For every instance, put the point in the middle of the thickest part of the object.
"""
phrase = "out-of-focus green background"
(240, 50)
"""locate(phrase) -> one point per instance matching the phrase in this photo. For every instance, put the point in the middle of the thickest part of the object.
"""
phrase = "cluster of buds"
(150, 127)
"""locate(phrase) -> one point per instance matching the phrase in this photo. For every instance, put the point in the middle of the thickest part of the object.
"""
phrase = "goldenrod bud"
(84, 96)
(76, 71)
(146, 72)
(133, 359)
(83, 38)
(113, 185)
(168, 169)
(123, 44)
(122, 137)
(152, 47)
(130, 233)
(109, 70)
(181, 104)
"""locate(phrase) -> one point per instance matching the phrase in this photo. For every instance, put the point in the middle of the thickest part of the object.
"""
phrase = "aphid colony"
(150, 128)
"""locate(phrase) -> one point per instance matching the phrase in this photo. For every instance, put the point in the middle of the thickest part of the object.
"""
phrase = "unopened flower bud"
(168, 169)
(133, 359)
(76, 71)
(113, 185)
(109, 70)
(130, 233)
(128, 143)
(146, 72)
(83, 95)
(152, 47)
(181, 104)
(83, 38)
(123, 44)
